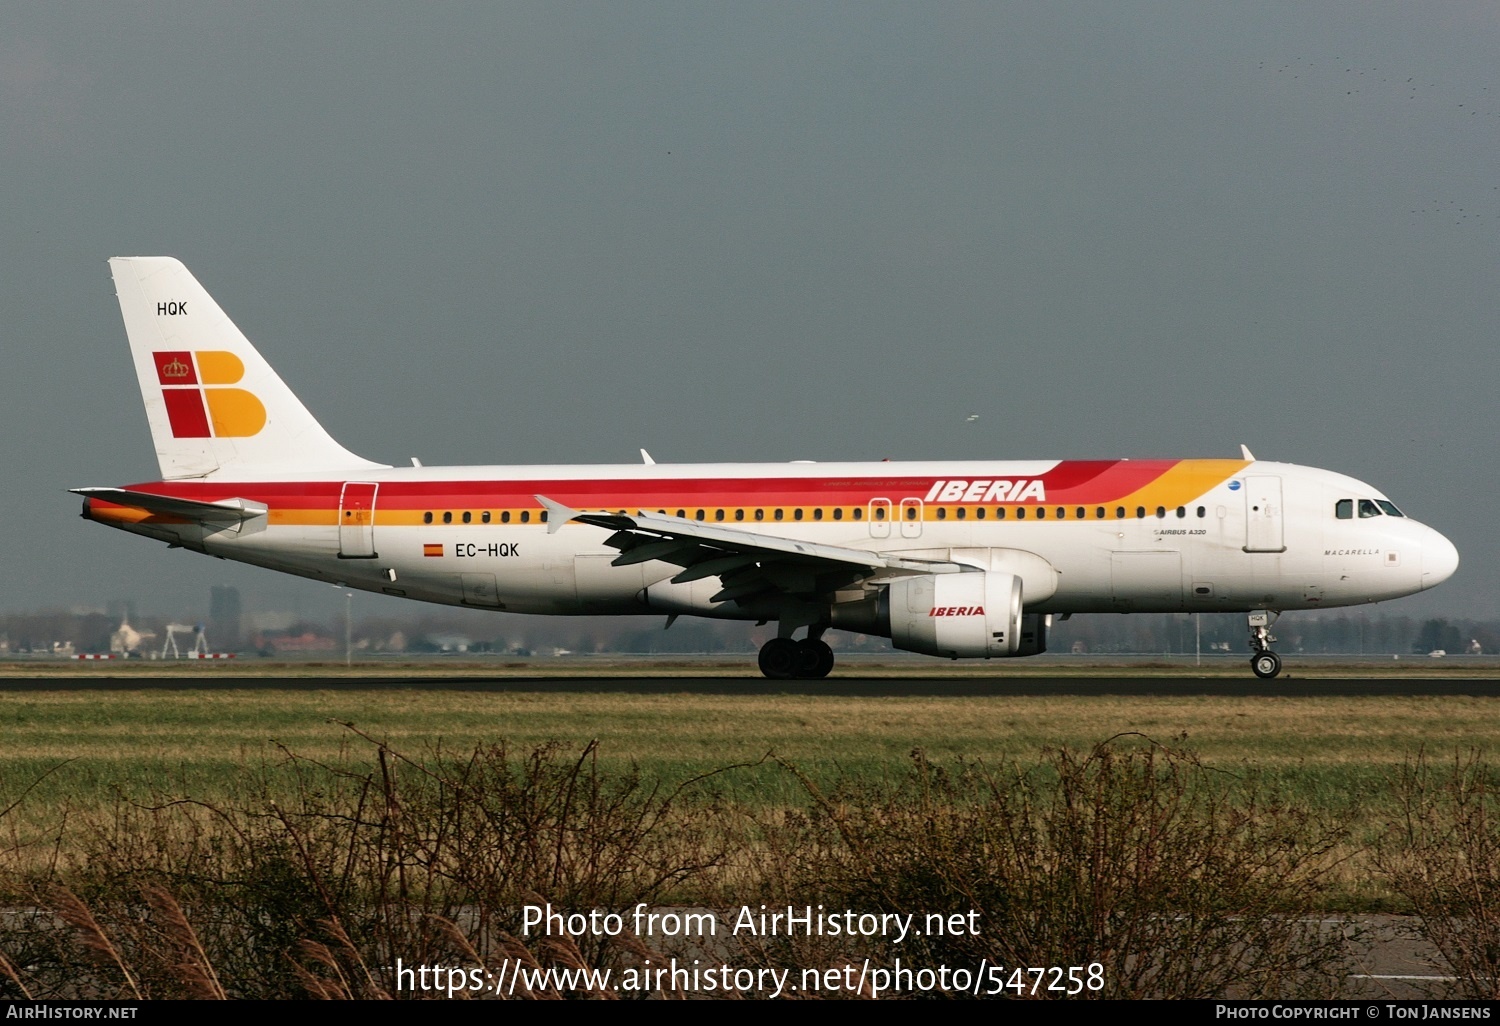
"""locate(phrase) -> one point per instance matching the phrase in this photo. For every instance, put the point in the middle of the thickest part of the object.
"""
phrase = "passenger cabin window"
(468, 517)
(427, 517)
(525, 516)
(485, 516)
(1344, 509)
(447, 518)
(505, 516)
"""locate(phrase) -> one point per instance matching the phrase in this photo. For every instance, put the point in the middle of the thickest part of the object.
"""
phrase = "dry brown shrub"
(317, 890)
(1443, 855)
(1132, 856)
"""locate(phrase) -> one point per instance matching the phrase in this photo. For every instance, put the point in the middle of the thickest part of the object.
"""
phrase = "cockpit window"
(1367, 508)
(1344, 509)
(1390, 508)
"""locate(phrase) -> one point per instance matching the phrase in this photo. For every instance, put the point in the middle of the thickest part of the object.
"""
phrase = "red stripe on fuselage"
(1082, 481)
(1111, 481)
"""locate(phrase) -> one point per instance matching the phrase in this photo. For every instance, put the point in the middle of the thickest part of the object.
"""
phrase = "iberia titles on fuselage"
(955, 559)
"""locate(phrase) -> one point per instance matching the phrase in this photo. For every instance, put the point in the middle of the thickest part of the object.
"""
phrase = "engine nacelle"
(1034, 628)
(960, 616)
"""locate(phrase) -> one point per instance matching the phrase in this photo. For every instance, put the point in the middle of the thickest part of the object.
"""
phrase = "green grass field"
(97, 743)
(68, 756)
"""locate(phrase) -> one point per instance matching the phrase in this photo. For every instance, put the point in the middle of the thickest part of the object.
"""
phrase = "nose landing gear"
(1264, 663)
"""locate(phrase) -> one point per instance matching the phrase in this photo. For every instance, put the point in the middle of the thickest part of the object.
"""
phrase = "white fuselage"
(1260, 535)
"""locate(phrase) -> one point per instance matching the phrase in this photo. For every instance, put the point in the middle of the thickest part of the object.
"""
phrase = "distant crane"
(199, 649)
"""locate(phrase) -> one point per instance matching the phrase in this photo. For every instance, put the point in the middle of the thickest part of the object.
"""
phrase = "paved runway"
(837, 686)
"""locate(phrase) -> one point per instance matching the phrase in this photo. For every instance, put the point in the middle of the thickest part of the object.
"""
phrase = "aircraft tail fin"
(213, 402)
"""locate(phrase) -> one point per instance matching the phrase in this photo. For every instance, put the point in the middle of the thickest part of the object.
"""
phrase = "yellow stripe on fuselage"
(1184, 483)
(304, 517)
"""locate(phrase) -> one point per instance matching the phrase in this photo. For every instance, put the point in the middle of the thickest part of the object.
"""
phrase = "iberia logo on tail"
(198, 403)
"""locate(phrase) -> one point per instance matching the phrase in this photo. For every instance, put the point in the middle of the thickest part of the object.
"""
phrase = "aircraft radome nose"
(1439, 560)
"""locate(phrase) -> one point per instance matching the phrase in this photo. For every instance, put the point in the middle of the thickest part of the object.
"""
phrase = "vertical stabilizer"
(213, 402)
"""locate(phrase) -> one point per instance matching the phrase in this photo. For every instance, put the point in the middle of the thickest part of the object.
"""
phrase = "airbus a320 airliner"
(964, 560)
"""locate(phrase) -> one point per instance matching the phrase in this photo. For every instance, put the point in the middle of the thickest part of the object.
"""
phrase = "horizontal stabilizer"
(226, 511)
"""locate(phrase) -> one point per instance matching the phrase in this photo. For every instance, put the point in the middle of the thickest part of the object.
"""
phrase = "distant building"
(224, 618)
(127, 641)
(287, 644)
(122, 610)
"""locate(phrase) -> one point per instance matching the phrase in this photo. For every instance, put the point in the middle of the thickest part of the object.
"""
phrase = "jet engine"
(960, 616)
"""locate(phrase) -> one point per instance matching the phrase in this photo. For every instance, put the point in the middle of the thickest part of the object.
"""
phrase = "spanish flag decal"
(432, 550)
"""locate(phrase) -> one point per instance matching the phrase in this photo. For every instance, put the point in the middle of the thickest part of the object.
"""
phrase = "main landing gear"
(790, 659)
(1265, 663)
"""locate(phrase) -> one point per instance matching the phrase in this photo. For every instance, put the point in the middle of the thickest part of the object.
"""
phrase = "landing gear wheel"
(780, 658)
(814, 659)
(1265, 664)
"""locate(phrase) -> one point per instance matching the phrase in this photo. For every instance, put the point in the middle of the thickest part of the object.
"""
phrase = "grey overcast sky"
(556, 232)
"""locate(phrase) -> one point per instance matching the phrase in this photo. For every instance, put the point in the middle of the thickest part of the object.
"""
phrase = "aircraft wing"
(747, 562)
(227, 511)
